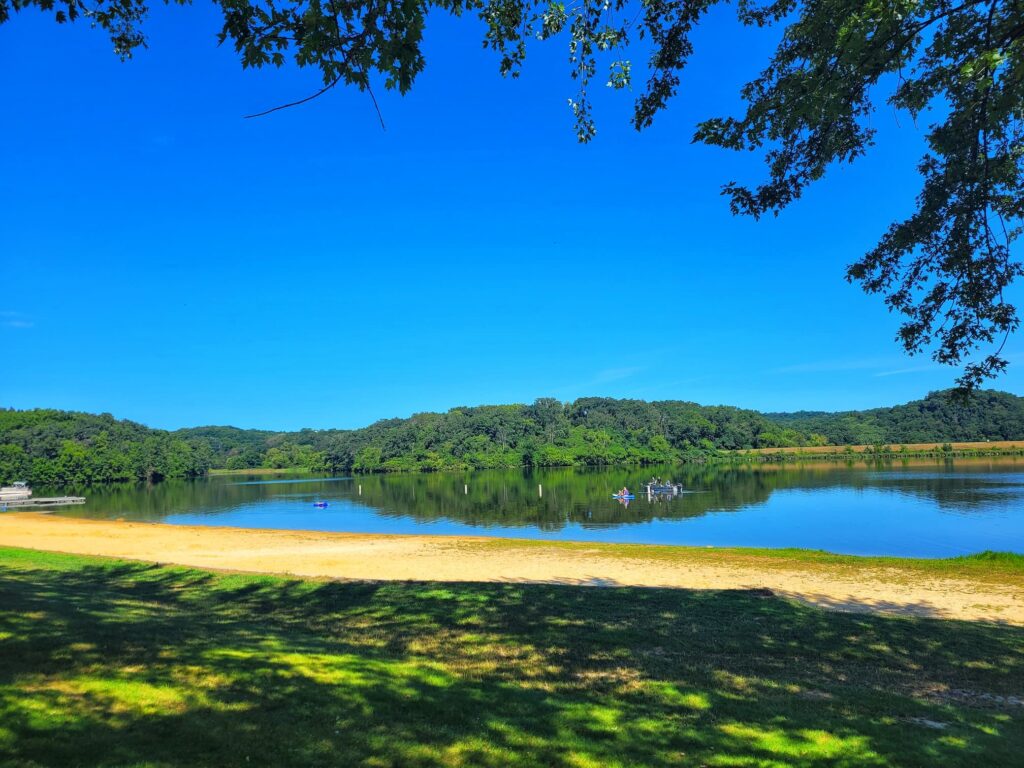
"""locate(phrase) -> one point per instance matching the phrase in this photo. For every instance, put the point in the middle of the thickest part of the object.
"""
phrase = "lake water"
(922, 509)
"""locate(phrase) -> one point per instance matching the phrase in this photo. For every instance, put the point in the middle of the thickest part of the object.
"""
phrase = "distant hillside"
(66, 448)
(990, 416)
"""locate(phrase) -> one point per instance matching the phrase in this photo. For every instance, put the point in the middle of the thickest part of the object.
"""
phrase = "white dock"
(53, 501)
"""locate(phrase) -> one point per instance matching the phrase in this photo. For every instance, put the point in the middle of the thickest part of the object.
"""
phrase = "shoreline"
(260, 471)
(927, 452)
(968, 588)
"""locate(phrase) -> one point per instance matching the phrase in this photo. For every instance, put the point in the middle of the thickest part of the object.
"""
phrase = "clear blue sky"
(167, 261)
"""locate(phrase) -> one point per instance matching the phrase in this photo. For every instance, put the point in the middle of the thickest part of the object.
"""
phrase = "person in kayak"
(624, 491)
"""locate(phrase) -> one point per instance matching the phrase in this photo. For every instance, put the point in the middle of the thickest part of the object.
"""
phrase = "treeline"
(63, 448)
(989, 415)
(548, 433)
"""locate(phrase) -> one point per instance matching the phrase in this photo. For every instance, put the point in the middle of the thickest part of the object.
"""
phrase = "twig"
(373, 98)
(321, 92)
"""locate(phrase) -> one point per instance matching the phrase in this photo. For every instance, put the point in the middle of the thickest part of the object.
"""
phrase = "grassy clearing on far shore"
(106, 662)
(980, 448)
(262, 471)
(824, 453)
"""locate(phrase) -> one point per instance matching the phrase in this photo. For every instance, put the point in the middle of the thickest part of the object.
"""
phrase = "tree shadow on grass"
(124, 664)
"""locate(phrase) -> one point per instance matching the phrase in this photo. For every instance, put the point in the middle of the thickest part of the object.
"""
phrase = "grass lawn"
(112, 663)
(1005, 568)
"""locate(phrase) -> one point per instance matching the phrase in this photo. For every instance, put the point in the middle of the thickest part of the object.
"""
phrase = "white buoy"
(465, 489)
(540, 491)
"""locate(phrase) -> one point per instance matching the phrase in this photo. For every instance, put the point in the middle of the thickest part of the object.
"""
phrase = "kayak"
(620, 496)
(319, 503)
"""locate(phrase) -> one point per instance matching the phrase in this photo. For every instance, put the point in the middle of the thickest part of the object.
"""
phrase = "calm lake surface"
(922, 509)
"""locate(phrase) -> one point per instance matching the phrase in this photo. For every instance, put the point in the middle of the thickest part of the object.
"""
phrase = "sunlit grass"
(1005, 567)
(108, 663)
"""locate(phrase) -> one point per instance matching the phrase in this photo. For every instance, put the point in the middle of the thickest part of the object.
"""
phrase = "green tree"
(73, 465)
(14, 464)
(367, 460)
(275, 459)
(661, 450)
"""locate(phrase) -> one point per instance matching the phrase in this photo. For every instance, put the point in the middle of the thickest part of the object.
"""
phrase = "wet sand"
(444, 558)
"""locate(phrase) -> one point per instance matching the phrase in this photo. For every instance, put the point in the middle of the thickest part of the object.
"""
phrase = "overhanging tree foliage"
(946, 268)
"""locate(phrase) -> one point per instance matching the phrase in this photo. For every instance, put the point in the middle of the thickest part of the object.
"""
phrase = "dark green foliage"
(230, 441)
(61, 448)
(591, 431)
(987, 416)
(946, 267)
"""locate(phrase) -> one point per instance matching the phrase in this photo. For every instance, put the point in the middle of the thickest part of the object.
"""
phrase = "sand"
(444, 558)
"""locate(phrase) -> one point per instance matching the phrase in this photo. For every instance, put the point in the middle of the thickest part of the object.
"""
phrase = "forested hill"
(50, 447)
(990, 416)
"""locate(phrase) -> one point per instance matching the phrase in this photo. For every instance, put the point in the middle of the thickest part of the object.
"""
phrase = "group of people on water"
(656, 484)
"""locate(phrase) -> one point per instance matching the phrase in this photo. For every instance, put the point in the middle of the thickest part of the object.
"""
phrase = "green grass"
(112, 663)
(262, 471)
(1005, 568)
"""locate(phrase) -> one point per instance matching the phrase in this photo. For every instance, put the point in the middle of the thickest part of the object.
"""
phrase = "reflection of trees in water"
(958, 494)
(570, 496)
(213, 496)
(583, 497)
(502, 498)
(961, 486)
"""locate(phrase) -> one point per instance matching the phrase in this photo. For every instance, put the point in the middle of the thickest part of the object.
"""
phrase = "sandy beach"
(442, 558)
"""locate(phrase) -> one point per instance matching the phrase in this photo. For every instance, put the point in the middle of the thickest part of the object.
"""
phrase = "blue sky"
(167, 261)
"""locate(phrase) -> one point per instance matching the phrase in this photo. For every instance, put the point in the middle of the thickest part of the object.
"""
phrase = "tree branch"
(319, 93)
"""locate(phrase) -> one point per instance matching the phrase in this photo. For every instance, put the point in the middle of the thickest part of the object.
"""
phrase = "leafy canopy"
(945, 268)
(61, 448)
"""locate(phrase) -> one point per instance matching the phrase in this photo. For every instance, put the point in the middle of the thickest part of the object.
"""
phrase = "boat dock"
(55, 501)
